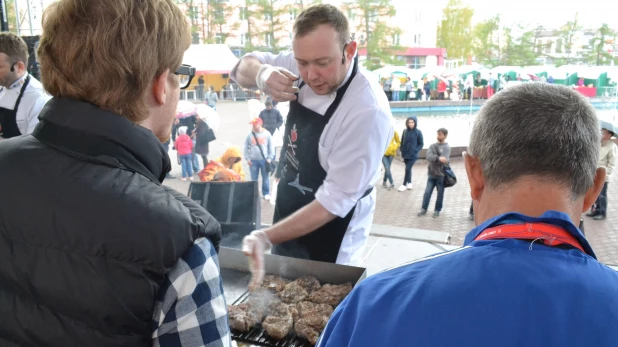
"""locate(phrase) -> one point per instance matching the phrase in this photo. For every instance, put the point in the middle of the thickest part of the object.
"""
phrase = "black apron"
(8, 118)
(302, 175)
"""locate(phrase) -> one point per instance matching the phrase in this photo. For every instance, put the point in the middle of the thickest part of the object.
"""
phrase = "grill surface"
(258, 336)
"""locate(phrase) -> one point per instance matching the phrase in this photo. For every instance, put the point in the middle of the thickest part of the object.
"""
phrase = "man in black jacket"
(271, 117)
(94, 250)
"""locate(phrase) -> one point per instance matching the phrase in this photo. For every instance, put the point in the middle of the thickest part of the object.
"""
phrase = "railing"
(196, 94)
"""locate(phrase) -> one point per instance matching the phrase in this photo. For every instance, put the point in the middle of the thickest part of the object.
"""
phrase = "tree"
(10, 14)
(520, 47)
(275, 17)
(302, 3)
(603, 39)
(455, 30)
(485, 49)
(567, 32)
(380, 39)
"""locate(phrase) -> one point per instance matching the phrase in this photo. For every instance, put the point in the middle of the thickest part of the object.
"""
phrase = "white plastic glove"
(254, 246)
(277, 82)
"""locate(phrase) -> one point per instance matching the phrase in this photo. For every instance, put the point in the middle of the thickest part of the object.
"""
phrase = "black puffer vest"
(87, 231)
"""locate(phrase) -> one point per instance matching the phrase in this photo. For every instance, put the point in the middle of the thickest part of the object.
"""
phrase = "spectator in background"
(438, 156)
(231, 160)
(271, 117)
(387, 89)
(395, 87)
(184, 146)
(411, 145)
(550, 80)
(491, 82)
(387, 160)
(260, 152)
(410, 92)
(200, 88)
(543, 79)
(203, 136)
(212, 98)
(580, 82)
(427, 88)
(519, 78)
(607, 159)
(441, 89)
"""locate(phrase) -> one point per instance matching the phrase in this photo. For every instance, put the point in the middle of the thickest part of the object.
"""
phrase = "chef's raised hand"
(254, 246)
(277, 82)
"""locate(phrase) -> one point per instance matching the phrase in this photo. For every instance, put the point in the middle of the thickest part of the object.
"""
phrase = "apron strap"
(341, 91)
(21, 93)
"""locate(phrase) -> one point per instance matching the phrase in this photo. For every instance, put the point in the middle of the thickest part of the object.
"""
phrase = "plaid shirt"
(190, 309)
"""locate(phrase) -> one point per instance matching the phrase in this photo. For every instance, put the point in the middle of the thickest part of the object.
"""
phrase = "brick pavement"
(400, 209)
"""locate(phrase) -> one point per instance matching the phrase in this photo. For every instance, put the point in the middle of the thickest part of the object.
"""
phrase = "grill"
(235, 274)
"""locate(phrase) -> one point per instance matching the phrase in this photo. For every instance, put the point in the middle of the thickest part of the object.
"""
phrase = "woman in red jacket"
(184, 146)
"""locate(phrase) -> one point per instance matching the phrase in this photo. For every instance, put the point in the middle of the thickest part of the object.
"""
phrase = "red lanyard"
(549, 234)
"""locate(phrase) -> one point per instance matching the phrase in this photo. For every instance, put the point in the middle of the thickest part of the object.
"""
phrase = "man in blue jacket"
(526, 275)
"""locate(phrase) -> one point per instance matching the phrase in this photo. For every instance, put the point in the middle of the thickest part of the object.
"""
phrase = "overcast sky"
(550, 13)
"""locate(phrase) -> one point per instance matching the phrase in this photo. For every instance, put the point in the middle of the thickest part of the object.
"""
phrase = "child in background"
(184, 146)
(437, 155)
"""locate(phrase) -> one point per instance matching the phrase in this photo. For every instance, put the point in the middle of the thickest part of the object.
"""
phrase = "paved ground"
(400, 209)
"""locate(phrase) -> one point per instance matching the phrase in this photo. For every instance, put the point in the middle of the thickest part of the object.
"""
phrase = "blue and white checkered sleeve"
(190, 309)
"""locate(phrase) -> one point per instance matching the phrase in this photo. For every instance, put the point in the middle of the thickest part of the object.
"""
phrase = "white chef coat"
(31, 103)
(350, 149)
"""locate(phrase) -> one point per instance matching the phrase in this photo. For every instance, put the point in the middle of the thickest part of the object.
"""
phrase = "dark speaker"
(225, 75)
(235, 205)
(33, 66)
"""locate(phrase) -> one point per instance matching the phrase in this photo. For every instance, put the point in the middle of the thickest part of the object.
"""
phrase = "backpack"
(449, 176)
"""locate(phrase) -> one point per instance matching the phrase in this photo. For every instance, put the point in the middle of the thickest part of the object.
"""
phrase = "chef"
(21, 96)
(337, 129)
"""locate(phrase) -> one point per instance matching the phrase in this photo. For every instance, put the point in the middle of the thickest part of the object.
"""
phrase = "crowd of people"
(96, 251)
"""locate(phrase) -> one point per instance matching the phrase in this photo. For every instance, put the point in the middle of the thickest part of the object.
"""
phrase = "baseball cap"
(257, 121)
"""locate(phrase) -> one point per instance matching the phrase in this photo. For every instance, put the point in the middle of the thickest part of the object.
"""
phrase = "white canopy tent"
(210, 59)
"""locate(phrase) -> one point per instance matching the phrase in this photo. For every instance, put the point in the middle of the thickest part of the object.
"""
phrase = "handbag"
(449, 176)
(209, 136)
(270, 167)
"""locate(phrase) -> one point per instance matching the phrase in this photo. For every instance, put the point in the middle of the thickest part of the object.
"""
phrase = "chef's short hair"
(108, 53)
(316, 15)
(537, 129)
(14, 47)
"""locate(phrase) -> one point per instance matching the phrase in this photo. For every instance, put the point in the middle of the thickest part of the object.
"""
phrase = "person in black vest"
(271, 117)
(337, 130)
(21, 95)
(94, 250)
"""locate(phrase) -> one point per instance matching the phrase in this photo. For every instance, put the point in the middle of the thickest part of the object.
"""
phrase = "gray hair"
(182, 130)
(538, 129)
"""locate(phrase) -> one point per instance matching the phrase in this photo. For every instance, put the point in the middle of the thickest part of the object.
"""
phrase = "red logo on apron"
(294, 134)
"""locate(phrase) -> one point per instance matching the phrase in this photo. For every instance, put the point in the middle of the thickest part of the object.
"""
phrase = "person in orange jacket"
(231, 160)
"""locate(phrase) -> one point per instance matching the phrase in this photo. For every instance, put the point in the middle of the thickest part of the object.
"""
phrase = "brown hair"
(108, 53)
(15, 47)
(316, 15)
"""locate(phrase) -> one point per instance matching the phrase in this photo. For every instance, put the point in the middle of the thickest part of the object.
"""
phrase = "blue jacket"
(411, 140)
(488, 293)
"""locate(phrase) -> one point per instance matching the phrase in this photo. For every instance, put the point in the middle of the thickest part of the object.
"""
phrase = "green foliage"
(377, 33)
(455, 30)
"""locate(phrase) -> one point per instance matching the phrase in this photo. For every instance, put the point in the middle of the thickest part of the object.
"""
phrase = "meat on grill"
(238, 317)
(299, 289)
(309, 309)
(311, 327)
(331, 294)
(280, 322)
(310, 283)
(245, 316)
(274, 283)
(278, 308)
(293, 293)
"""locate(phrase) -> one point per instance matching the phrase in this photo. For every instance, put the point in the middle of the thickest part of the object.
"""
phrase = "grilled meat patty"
(331, 294)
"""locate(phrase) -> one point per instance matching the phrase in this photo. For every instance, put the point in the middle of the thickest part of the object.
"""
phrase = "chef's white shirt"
(31, 103)
(350, 150)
